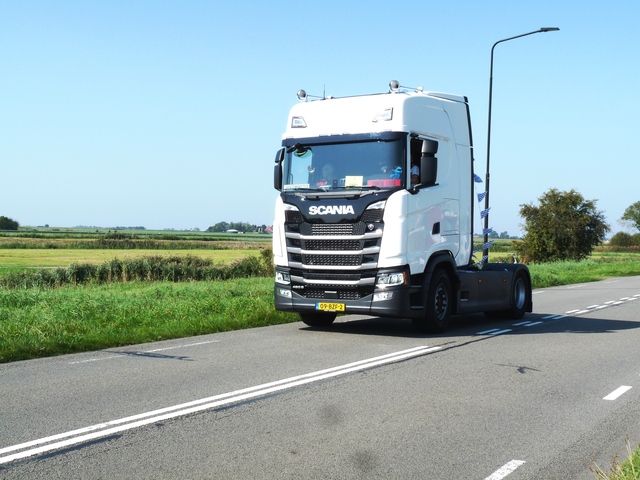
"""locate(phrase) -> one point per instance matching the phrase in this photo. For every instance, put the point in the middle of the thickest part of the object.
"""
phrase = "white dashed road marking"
(505, 470)
(617, 392)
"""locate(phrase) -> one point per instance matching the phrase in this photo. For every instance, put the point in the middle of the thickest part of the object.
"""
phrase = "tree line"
(238, 226)
(562, 226)
(7, 223)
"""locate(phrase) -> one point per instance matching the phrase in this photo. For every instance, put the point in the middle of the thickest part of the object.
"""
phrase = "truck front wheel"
(318, 319)
(438, 304)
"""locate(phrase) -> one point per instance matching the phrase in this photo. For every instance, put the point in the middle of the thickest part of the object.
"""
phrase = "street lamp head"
(549, 29)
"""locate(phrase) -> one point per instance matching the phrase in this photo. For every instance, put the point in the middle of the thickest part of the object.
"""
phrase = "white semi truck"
(375, 213)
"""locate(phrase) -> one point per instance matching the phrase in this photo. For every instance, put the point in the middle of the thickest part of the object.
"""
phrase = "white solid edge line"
(617, 392)
(505, 470)
(196, 402)
(202, 404)
(192, 403)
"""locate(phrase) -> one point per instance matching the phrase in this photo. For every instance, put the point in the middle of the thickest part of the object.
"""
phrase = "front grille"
(308, 244)
(292, 216)
(314, 293)
(332, 228)
(333, 277)
(349, 295)
(332, 245)
(334, 260)
(373, 215)
(341, 294)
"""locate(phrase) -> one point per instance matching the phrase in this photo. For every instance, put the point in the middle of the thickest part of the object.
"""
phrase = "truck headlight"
(378, 205)
(391, 279)
(283, 277)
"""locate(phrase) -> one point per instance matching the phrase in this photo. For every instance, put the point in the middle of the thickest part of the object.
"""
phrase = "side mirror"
(277, 170)
(429, 163)
(428, 170)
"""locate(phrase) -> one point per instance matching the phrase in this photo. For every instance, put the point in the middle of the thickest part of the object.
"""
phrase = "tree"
(219, 227)
(239, 226)
(623, 239)
(7, 223)
(564, 226)
(632, 215)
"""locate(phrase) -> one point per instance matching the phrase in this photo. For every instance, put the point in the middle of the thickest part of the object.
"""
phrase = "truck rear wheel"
(520, 298)
(318, 319)
(438, 304)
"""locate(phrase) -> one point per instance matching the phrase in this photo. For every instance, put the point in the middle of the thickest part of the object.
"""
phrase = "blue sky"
(167, 114)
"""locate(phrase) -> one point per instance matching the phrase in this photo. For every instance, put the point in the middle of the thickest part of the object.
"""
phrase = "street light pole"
(485, 248)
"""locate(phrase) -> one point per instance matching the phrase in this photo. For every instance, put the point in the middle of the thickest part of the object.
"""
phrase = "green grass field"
(37, 320)
(44, 322)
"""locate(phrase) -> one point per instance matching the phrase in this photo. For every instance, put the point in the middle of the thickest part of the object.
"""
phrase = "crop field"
(20, 259)
(52, 248)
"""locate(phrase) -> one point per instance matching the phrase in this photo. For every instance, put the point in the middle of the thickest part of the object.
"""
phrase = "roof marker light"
(298, 122)
(384, 115)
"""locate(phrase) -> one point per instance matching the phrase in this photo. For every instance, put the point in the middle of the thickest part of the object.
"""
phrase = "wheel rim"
(441, 302)
(519, 293)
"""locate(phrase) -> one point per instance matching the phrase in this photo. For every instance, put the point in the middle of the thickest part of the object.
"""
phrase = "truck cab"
(376, 201)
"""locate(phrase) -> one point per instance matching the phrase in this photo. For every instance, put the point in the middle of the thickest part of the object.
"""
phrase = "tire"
(439, 301)
(318, 319)
(520, 298)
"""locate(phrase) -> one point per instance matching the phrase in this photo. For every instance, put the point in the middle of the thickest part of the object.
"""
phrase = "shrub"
(7, 223)
(564, 226)
(148, 268)
(620, 239)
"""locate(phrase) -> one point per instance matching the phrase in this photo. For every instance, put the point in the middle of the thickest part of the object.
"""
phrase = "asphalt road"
(369, 398)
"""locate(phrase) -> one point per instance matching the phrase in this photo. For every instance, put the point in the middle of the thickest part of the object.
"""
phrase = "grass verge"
(45, 322)
(85, 307)
(627, 470)
(570, 272)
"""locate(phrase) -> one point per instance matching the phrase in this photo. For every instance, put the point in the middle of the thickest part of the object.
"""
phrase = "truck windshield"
(375, 164)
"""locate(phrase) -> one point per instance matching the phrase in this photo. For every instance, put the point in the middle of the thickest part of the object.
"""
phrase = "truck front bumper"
(391, 302)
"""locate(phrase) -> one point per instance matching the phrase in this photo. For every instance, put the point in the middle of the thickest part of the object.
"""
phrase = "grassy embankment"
(629, 469)
(72, 294)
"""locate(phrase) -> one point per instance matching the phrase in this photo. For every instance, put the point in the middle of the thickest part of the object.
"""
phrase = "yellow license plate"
(330, 307)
